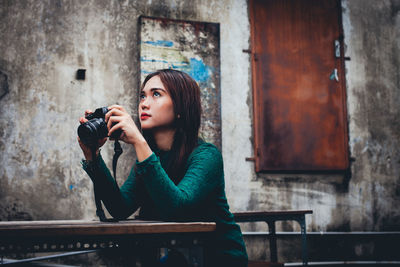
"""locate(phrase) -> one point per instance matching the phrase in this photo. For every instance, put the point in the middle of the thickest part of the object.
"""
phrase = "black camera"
(95, 128)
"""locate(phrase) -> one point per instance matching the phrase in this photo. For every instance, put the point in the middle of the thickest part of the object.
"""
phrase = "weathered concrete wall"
(368, 199)
(373, 78)
(42, 46)
(44, 43)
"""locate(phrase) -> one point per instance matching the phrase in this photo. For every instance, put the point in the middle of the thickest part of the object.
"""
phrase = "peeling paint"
(178, 45)
(160, 43)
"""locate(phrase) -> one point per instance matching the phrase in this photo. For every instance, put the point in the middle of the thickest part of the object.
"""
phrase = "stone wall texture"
(44, 43)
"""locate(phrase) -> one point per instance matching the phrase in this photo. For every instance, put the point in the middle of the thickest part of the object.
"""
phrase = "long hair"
(185, 95)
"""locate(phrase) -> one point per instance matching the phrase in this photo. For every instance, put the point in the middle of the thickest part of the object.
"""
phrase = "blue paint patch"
(160, 43)
(183, 65)
(196, 68)
(71, 187)
(199, 71)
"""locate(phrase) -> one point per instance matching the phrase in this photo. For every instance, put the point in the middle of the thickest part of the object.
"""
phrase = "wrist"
(89, 156)
(139, 140)
(142, 149)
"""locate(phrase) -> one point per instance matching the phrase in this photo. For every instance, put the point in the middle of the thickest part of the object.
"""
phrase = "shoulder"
(206, 152)
(206, 162)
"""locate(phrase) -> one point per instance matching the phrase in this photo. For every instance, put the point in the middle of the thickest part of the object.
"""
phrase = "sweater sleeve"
(120, 202)
(204, 174)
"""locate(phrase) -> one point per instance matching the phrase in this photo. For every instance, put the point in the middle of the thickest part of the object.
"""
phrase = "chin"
(145, 126)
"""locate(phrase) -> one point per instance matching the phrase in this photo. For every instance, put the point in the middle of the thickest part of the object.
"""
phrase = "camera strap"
(99, 209)
(117, 152)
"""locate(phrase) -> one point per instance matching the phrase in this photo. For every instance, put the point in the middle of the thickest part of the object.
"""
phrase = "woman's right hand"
(87, 152)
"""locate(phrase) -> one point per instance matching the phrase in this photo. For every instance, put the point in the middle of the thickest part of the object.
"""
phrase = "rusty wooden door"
(298, 85)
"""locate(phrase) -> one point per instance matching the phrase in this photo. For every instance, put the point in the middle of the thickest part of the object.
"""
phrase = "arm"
(121, 203)
(204, 174)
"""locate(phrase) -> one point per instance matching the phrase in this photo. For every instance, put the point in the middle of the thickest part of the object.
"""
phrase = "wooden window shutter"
(298, 85)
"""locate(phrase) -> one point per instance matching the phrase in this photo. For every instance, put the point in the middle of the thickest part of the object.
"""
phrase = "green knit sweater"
(199, 196)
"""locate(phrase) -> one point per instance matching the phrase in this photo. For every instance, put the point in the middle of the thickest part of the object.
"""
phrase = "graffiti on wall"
(191, 47)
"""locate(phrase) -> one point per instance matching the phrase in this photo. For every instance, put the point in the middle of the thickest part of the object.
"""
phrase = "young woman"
(177, 176)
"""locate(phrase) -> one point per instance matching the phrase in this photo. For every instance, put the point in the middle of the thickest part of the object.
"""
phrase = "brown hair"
(185, 95)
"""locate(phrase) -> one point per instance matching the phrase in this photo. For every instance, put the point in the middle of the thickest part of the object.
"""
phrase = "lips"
(144, 116)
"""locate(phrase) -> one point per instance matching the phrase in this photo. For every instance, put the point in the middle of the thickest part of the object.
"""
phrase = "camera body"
(95, 128)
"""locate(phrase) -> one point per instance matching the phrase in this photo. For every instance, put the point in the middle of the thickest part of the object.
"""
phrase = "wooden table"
(270, 217)
(77, 235)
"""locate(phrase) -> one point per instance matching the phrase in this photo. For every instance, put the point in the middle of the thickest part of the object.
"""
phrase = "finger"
(114, 128)
(88, 111)
(113, 120)
(113, 112)
(118, 107)
(82, 120)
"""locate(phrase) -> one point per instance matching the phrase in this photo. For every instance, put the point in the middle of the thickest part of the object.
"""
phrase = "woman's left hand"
(118, 118)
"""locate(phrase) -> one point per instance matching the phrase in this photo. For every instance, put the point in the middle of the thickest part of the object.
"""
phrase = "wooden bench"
(270, 217)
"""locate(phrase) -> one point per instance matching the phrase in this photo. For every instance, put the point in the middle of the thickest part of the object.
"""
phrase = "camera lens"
(93, 130)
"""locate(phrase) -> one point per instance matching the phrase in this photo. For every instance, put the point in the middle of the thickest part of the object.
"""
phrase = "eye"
(142, 96)
(156, 94)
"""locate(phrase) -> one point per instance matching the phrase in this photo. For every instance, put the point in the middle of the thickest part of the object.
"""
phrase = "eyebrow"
(155, 89)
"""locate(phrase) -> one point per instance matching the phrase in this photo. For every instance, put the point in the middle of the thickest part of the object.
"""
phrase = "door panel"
(299, 107)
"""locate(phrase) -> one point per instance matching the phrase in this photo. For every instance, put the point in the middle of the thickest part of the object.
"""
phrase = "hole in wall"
(81, 74)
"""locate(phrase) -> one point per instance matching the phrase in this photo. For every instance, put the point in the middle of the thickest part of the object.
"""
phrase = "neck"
(164, 138)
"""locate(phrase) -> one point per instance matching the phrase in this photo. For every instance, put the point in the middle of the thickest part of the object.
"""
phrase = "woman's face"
(156, 109)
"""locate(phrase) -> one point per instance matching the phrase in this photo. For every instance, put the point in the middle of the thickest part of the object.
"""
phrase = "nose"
(144, 104)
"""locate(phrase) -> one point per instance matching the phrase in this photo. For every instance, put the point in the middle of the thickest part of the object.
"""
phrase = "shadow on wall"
(3, 84)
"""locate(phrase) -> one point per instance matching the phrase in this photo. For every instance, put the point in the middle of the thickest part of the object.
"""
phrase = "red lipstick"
(144, 116)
